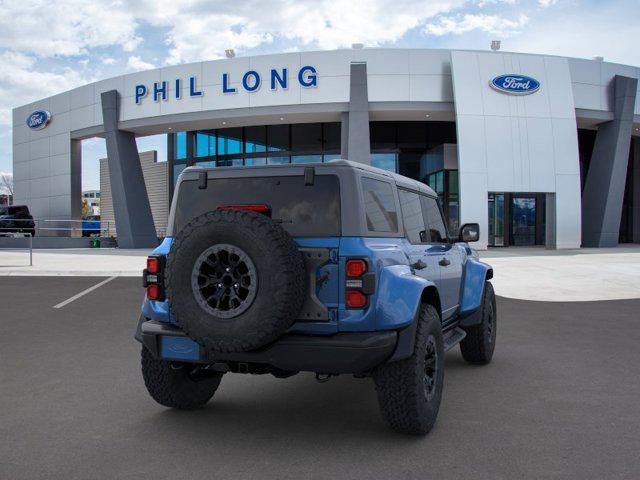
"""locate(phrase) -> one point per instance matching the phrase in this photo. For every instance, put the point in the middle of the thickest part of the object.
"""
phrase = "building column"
(134, 222)
(550, 221)
(344, 135)
(604, 188)
(635, 206)
(358, 147)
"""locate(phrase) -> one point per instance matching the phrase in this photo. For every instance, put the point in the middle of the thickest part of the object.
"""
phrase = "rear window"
(379, 206)
(305, 211)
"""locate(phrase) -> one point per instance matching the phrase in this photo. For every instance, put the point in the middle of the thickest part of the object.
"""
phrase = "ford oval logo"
(38, 119)
(515, 84)
(181, 348)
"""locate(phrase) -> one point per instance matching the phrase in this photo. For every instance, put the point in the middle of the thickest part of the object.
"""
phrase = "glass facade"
(258, 145)
(408, 148)
(516, 219)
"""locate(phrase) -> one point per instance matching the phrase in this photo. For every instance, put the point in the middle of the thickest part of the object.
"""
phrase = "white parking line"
(82, 293)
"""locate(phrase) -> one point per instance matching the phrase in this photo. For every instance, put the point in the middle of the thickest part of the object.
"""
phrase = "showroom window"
(255, 145)
(205, 143)
(415, 150)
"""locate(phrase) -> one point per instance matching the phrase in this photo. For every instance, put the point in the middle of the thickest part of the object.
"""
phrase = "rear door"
(309, 213)
(415, 229)
(446, 255)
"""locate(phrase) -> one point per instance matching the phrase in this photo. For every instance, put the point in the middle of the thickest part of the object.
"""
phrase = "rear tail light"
(153, 265)
(355, 268)
(356, 299)
(153, 292)
(251, 208)
(360, 283)
(153, 277)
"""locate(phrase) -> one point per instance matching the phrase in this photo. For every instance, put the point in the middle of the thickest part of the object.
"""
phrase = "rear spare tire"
(235, 280)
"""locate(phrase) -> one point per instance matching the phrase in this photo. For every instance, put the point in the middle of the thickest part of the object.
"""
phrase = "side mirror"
(469, 232)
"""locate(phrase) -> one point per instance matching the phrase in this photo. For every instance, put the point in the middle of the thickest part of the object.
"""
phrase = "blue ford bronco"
(335, 268)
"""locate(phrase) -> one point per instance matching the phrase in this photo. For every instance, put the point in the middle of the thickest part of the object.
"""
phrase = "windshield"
(304, 210)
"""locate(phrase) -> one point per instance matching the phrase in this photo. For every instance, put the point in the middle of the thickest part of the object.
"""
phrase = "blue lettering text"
(310, 80)
(225, 84)
(141, 92)
(157, 91)
(275, 77)
(256, 81)
(192, 88)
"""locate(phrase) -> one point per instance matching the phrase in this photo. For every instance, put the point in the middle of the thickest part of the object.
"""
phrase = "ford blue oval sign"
(515, 84)
(38, 119)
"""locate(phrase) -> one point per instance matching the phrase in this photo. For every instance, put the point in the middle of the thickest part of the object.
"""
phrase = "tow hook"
(323, 377)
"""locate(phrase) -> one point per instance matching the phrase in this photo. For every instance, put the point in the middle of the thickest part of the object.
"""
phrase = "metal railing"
(64, 228)
(49, 227)
(21, 235)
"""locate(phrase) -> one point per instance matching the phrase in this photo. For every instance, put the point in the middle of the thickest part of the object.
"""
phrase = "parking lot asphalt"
(560, 400)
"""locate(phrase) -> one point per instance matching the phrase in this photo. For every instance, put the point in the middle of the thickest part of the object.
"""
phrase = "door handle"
(444, 262)
(419, 265)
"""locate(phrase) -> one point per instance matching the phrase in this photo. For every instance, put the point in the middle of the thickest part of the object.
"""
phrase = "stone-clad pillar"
(604, 188)
(358, 145)
(636, 190)
(134, 222)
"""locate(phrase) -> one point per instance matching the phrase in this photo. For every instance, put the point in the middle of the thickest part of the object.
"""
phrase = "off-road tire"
(402, 396)
(281, 280)
(478, 346)
(171, 384)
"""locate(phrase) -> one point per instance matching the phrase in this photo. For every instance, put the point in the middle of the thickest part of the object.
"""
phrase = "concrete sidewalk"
(85, 262)
(521, 273)
(566, 275)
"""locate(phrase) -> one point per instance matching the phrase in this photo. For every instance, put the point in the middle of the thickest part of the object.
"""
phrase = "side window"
(437, 232)
(412, 218)
(379, 206)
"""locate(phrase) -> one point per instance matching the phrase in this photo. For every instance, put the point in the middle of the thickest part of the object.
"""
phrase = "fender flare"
(476, 275)
(407, 336)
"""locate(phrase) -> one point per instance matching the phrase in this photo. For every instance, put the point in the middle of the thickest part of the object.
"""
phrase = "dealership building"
(537, 149)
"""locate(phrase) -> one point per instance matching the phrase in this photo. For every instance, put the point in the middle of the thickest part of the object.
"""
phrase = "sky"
(47, 47)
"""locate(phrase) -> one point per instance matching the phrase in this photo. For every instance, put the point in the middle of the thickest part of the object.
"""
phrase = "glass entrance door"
(496, 220)
(523, 220)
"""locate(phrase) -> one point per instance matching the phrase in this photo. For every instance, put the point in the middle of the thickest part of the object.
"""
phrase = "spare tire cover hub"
(224, 280)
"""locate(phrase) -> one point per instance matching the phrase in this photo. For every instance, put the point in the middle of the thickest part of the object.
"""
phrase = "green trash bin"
(95, 242)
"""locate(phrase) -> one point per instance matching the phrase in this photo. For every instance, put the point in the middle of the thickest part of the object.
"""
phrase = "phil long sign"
(251, 81)
(515, 84)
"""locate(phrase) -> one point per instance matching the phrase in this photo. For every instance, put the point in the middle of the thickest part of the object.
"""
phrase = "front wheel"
(409, 390)
(183, 386)
(477, 347)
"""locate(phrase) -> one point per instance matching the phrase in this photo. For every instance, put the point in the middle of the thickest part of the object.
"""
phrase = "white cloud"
(547, 3)
(135, 64)
(325, 24)
(608, 35)
(484, 3)
(66, 27)
(21, 83)
(493, 24)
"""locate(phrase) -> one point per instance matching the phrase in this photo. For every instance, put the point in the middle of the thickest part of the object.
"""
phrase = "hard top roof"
(400, 180)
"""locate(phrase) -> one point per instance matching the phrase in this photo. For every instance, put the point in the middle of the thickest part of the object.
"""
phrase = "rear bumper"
(340, 353)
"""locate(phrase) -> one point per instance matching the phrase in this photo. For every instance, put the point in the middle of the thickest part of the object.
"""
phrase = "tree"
(6, 185)
(86, 209)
